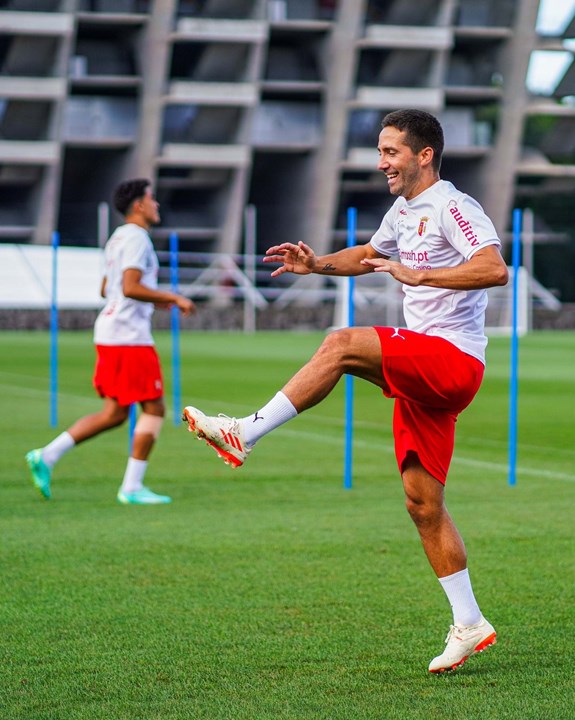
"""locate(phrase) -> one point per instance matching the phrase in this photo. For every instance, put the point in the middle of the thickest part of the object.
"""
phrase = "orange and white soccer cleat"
(462, 643)
(224, 434)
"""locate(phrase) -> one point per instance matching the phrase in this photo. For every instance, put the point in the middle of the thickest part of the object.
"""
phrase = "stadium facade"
(271, 103)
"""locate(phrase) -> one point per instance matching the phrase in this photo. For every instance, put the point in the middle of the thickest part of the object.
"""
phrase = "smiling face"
(408, 173)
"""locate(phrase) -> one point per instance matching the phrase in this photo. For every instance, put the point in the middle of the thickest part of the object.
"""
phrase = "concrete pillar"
(47, 195)
(229, 240)
(340, 64)
(155, 54)
(498, 174)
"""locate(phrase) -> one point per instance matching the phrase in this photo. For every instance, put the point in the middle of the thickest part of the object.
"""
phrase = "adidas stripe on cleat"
(462, 643)
(222, 433)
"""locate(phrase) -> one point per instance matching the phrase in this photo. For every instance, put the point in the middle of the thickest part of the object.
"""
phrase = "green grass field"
(270, 592)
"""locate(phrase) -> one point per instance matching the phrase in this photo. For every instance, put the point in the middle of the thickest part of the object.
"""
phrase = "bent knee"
(346, 345)
(154, 407)
(337, 341)
(117, 416)
(423, 513)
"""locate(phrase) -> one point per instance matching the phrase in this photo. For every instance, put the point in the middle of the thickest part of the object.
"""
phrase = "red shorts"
(432, 381)
(128, 373)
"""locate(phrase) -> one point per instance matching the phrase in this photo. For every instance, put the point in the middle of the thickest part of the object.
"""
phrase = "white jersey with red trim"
(441, 227)
(124, 321)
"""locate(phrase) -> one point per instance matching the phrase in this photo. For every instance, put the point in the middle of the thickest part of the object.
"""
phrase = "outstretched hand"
(299, 259)
(184, 304)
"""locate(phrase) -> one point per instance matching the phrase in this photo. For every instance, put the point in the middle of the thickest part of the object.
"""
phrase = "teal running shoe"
(144, 496)
(41, 473)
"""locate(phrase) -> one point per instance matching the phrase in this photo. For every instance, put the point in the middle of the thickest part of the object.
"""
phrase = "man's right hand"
(186, 306)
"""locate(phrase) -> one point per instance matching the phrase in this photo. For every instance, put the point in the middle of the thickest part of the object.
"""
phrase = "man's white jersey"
(124, 321)
(441, 227)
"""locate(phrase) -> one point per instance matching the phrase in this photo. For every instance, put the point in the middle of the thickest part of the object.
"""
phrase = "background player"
(127, 366)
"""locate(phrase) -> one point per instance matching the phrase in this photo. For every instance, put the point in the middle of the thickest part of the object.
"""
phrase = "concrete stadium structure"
(272, 103)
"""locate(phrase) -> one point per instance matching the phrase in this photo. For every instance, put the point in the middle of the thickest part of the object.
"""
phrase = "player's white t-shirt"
(441, 227)
(124, 321)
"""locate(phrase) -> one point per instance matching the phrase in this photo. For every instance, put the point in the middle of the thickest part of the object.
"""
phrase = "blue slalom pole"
(348, 459)
(175, 321)
(54, 333)
(514, 385)
(132, 417)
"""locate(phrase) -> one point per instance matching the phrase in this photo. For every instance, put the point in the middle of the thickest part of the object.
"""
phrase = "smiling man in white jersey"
(449, 253)
(127, 367)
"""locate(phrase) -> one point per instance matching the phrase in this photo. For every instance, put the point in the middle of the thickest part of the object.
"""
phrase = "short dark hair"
(421, 130)
(127, 192)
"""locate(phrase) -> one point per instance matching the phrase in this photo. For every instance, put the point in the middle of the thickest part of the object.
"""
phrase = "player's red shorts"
(128, 373)
(432, 381)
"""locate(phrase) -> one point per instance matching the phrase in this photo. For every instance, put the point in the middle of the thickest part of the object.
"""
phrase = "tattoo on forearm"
(328, 267)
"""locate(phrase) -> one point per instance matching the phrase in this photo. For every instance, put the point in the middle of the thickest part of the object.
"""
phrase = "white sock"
(58, 447)
(134, 475)
(461, 598)
(277, 412)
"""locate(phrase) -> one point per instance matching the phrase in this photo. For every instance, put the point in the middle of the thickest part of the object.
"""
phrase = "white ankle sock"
(134, 475)
(58, 447)
(460, 595)
(277, 412)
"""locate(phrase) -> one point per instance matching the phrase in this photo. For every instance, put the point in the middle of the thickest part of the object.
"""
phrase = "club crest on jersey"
(422, 226)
